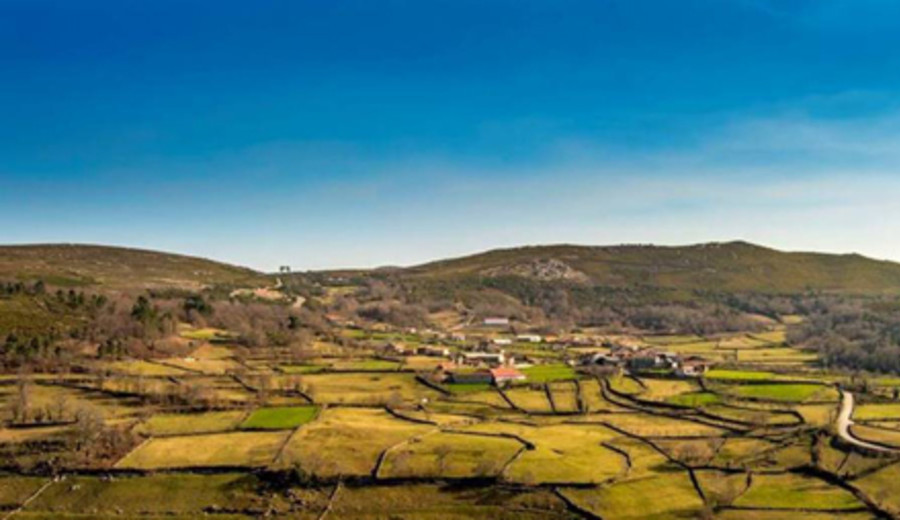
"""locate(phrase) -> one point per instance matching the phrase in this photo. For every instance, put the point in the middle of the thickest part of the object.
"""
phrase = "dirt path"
(844, 422)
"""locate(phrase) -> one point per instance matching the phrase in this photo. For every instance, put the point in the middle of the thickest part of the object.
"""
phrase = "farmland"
(365, 420)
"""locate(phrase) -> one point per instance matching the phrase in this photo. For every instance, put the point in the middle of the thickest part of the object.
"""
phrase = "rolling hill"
(116, 267)
(726, 267)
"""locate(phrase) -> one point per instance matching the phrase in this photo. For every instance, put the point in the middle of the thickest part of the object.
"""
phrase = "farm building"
(692, 367)
(469, 377)
(503, 375)
(501, 341)
(529, 338)
(481, 358)
(432, 351)
(496, 322)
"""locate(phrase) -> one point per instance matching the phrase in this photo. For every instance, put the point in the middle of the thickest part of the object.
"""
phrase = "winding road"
(844, 422)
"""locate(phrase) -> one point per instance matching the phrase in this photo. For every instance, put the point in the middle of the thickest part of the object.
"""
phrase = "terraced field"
(350, 435)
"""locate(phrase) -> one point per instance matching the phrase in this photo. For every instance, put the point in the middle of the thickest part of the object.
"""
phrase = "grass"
(120, 267)
(182, 424)
(368, 389)
(879, 435)
(792, 491)
(450, 455)
(664, 495)
(206, 334)
(876, 412)
(565, 397)
(777, 392)
(881, 486)
(626, 385)
(301, 369)
(548, 373)
(365, 365)
(144, 368)
(664, 389)
(439, 502)
(347, 441)
(237, 449)
(694, 399)
(163, 495)
(16, 489)
(279, 418)
(740, 375)
(468, 388)
(565, 453)
(646, 425)
(532, 400)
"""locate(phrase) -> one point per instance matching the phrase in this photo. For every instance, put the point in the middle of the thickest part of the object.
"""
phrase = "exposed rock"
(550, 269)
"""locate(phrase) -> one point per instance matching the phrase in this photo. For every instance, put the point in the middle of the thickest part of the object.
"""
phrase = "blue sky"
(362, 133)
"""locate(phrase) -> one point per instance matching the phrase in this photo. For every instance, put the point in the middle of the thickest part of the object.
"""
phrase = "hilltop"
(117, 267)
(725, 267)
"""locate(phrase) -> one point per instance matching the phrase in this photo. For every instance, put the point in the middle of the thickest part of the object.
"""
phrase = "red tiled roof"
(506, 372)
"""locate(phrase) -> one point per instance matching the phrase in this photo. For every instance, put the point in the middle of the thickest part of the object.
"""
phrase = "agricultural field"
(279, 418)
(227, 432)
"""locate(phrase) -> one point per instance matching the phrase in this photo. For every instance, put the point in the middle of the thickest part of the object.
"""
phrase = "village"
(492, 357)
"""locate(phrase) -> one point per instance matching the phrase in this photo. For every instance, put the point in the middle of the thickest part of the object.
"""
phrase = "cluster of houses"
(642, 359)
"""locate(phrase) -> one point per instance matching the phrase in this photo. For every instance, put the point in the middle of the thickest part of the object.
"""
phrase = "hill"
(725, 267)
(116, 267)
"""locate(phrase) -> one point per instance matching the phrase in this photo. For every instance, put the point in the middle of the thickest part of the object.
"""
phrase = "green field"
(548, 373)
(279, 418)
(740, 375)
(778, 392)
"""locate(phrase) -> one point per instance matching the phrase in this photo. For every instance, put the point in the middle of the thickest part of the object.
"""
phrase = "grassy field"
(363, 365)
(437, 502)
(237, 449)
(694, 399)
(162, 495)
(347, 441)
(795, 492)
(779, 392)
(14, 490)
(371, 389)
(877, 412)
(302, 369)
(668, 494)
(565, 397)
(879, 435)
(531, 400)
(562, 454)
(279, 418)
(740, 375)
(449, 455)
(548, 373)
(182, 424)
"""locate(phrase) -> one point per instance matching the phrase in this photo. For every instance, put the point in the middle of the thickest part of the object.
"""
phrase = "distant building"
(496, 322)
(692, 367)
(502, 341)
(481, 358)
(504, 375)
(529, 338)
(467, 377)
(432, 351)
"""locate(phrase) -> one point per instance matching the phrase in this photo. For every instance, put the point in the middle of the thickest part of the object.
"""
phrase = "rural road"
(845, 421)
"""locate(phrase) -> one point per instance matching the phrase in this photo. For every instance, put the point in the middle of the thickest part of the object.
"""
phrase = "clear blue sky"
(360, 133)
